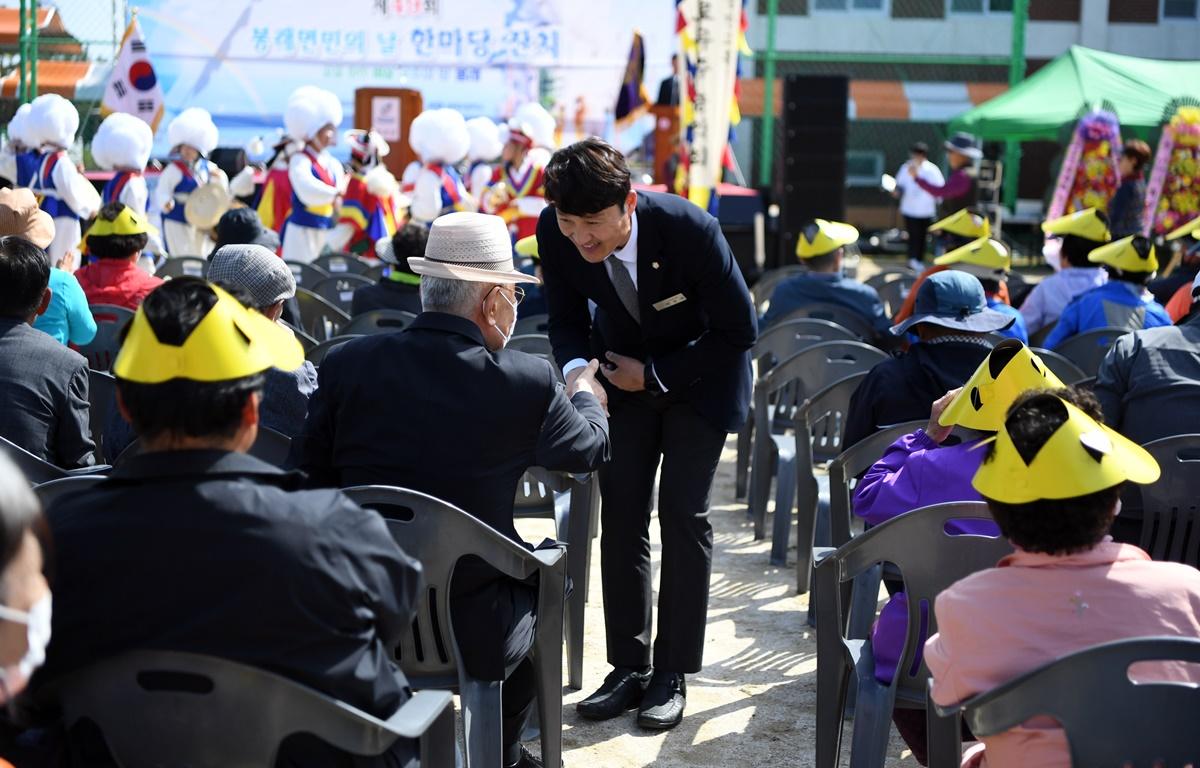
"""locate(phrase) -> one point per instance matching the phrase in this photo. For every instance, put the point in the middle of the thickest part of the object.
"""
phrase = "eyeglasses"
(518, 295)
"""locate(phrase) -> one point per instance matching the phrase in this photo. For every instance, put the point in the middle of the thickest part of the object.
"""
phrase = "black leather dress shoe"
(527, 760)
(622, 691)
(663, 703)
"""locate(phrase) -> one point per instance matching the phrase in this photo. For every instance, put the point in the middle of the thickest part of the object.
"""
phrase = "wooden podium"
(390, 111)
(666, 140)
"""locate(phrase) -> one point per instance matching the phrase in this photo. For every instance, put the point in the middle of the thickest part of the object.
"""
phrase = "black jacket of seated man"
(697, 325)
(219, 553)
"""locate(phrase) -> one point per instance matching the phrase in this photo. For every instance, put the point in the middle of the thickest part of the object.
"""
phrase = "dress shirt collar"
(628, 252)
(1107, 551)
(447, 323)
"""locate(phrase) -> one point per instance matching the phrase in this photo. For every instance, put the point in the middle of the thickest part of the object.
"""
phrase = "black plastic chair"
(338, 264)
(929, 560)
(182, 266)
(768, 281)
(102, 389)
(893, 293)
(102, 349)
(777, 398)
(376, 271)
(338, 290)
(1108, 719)
(52, 490)
(532, 344)
(378, 321)
(169, 708)
(1087, 349)
(438, 534)
(37, 470)
(573, 503)
(822, 420)
(306, 342)
(888, 275)
(270, 446)
(1068, 372)
(532, 324)
(318, 318)
(1171, 506)
(317, 354)
(835, 313)
(307, 275)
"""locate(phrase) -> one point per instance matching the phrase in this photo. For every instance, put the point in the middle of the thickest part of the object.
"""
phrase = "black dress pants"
(644, 430)
(917, 230)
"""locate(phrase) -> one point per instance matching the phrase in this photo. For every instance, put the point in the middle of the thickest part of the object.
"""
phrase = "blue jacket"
(1015, 331)
(825, 287)
(68, 318)
(1116, 303)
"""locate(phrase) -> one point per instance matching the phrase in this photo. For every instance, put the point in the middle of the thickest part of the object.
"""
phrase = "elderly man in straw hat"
(463, 419)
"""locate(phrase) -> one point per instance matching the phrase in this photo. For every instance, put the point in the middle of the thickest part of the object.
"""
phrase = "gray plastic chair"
(893, 293)
(531, 324)
(169, 708)
(339, 289)
(1087, 349)
(37, 470)
(823, 417)
(1064, 369)
(774, 345)
(182, 266)
(307, 275)
(777, 398)
(438, 535)
(1171, 506)
(768, 281)
(532, 344)
(835, 313)
(52, 490)
(319, 318)
(929, 560)
(102, 349)
(573, 503)
(317, 354)
(1108, 719)
(339, 264)
(378, 321)
(888, 275)
(102, 389)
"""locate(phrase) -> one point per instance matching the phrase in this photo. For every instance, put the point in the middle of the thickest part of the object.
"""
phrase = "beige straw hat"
(470, 246)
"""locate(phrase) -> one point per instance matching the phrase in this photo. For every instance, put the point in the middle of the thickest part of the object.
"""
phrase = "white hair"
(457, 297)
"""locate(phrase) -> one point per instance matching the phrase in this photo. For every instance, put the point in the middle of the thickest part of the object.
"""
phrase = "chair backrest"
(1171, 506)
(102, 349)
(338, 290)
(1108, 719)
(438, 534)
(929, 559)
(169, 708)
(791, 382)
(893, 293)
(768, 281)
(378, 321)
(52, 490)
(824, 415)
(1064, 369)
(36, 470)
(835, 313)
(338, 264)
(531, 324)
(535, 492)
(306, 341)
(319, 318)
(101, 389)
(307, 275)
(888, 275)
(848, 465)
(1087, 349)
(532, 344)
(783, 340)
(317, 354)
(182, 266)
(375, 272)
(271, 446)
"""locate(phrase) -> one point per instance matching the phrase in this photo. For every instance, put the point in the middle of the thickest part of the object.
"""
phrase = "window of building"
(863, 167)
(849, 5)
(980, 6)
(1180, 9)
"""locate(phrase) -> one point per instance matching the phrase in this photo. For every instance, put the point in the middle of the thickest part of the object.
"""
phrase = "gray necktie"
(626, 290)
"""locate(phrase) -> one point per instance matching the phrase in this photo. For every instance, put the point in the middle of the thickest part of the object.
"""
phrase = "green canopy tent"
(1058, 94)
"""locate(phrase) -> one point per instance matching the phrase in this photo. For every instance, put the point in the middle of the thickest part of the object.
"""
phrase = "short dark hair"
(114, 246)
(1138, 151)
(822, 263)
(919, 148)
(587, 177)
(1142, 245)
(182, 406)
(24, 276)
(1052, 526)
(1076, 249)
(409, 241)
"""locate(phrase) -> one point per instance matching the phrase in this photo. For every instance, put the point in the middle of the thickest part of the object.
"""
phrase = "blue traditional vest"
(43, 186)
(116, 185)
(186, 186)
(28, 163)
(313, 216)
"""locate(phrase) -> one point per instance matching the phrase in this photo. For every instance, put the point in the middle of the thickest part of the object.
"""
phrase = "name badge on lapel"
(670, 301)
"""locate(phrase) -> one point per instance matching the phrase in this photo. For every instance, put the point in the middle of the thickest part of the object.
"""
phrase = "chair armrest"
(820, 553)
(95, 469)
(550, 557)
(416, 715)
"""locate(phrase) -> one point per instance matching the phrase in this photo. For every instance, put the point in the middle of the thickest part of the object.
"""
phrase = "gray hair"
(458, 297)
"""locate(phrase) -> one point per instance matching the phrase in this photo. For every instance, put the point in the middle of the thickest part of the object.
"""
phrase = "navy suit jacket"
(700, 347)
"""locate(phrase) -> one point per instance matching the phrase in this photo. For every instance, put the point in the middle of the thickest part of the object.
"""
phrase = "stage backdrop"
(241, 58)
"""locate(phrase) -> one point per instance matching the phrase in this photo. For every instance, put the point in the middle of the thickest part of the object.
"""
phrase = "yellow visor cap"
(820, 237)
(964, 224)
(1190, 228)
(1086, 224)
(1009, 370)
(128, 222)
(528, 246)
(1081, 457)
(1123, 254)
(230, 342)
(985, 252)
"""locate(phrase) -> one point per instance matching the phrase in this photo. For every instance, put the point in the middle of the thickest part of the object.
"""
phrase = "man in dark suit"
(668, 89)
(43, 384)
(443, 408)
(674, 325)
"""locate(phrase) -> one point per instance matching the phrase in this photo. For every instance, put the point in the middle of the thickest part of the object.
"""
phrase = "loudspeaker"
(812, 165)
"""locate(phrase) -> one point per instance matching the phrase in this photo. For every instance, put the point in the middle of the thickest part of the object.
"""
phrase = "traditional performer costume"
(275, 203)
(517, 193)
(194, 128)
(20, 158)
(315, 176)
(483, 153)
(122, 144)
(369, 205)
(65, 194)
(440, 138)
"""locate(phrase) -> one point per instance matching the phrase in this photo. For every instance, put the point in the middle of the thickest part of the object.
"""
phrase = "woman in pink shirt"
(1053, 480)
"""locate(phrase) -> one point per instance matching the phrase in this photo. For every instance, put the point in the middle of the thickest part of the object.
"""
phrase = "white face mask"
(37, 622)
(512, 327)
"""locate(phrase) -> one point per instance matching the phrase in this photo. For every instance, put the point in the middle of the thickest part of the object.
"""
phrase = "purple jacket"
(914, 472)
